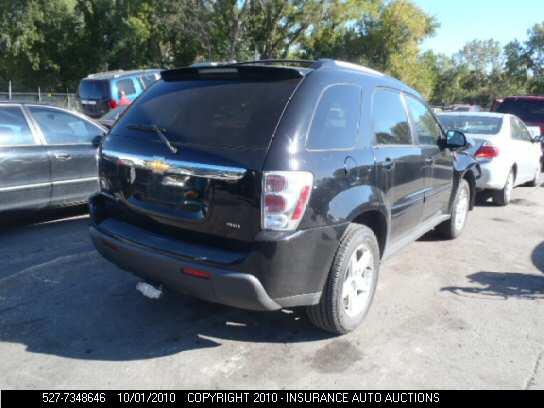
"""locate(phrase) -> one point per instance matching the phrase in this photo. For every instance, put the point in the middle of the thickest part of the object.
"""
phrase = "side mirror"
(97, 140)
(456, 139)
(535, 133)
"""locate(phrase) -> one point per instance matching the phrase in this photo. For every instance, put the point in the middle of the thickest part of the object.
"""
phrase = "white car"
(509, 154)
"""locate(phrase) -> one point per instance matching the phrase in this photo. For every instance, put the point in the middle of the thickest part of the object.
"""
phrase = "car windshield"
(526, 109)
(483, 125)
(229, 113)
(92, 89)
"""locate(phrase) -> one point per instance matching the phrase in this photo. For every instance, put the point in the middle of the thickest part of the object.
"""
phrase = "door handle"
(62, 156)
(388, 164)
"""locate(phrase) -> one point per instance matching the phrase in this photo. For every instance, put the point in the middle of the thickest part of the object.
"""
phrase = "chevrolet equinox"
(276, 184)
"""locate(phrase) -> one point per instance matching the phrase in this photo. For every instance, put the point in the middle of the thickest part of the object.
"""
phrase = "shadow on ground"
(502, 284)
(507, 284)
(538, 257)
(59, 297)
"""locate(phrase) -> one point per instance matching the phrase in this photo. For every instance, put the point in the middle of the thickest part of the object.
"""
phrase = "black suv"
(265, 185)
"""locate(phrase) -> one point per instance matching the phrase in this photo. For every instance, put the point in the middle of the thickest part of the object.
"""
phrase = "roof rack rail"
(115, 71)
(307, 63)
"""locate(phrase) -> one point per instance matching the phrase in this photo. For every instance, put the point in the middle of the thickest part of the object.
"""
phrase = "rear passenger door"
(73, 157)
(332, 149)
(438, 162)
(524, 151)
(400, 168)
(24, 163)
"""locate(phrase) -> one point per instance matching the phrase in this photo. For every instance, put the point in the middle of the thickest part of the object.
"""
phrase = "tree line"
(54, 43)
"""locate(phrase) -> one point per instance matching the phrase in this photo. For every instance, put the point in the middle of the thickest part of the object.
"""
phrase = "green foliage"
(54, 43)
(482, 72)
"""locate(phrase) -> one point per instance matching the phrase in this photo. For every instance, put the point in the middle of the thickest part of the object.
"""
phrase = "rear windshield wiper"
(158, 131)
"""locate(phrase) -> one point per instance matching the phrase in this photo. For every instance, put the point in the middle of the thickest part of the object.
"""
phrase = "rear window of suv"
(221, 113)
(526, 109)
(93, 89)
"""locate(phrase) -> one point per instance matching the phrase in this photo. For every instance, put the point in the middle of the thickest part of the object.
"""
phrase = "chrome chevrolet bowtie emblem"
(157, 165)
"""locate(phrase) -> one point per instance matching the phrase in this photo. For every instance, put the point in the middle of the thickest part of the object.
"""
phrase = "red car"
(530, 109)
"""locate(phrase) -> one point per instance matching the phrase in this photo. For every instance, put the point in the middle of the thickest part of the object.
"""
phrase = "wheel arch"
(514, 167)
(471, 180)
(376, 219)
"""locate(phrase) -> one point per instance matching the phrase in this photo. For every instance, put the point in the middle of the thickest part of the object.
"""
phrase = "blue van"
(99, 93)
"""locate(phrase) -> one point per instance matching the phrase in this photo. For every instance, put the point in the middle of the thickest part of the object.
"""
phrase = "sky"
(465, 20)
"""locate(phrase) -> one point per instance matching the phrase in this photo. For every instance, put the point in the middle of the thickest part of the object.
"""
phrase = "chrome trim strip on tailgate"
(179, 167)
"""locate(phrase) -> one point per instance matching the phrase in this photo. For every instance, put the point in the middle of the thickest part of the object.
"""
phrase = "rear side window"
(390, 119)
(127, 86)
(519, 131)
(149, 79)
(228, 113)
(427, 128)
(93, 89)
(60, 127)
(336, 120)
(14, 130)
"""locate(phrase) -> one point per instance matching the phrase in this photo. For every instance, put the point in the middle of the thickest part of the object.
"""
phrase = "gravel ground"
(455, 314)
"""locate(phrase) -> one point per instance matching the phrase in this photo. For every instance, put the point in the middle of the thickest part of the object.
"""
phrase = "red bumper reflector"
(196, 273)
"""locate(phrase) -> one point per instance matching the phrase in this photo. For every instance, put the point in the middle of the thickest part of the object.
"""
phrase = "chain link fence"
(63, 100)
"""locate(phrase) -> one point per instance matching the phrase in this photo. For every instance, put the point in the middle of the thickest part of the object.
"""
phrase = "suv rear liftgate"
(196, 195)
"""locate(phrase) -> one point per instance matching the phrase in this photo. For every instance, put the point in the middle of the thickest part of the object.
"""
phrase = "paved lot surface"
(467, 313)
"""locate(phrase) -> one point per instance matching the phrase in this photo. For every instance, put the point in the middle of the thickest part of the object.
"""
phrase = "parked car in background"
(508, 154)
(99, 93)
(47, 156)
(269, 186)
(109, 118)
(530, 109)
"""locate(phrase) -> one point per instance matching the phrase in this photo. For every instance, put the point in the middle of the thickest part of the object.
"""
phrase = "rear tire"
(504, 196)
(351, 283)
(452, 228)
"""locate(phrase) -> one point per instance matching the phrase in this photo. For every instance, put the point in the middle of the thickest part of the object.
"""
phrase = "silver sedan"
(509, 154)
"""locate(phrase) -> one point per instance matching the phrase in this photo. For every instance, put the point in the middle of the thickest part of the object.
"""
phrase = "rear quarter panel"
(338, 196)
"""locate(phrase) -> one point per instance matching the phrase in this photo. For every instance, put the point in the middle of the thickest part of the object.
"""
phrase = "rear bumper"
(230, 288)
(276, 270)
(493, 175)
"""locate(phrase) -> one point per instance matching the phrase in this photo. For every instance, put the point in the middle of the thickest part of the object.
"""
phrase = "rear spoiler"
(233, 72)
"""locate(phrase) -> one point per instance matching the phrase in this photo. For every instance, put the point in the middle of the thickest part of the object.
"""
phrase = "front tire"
(504, 196)
(351, 284)
(452, 228)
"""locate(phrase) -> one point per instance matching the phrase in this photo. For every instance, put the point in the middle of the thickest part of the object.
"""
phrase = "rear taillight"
(487, 152)
(113, 104)
(284, 199)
